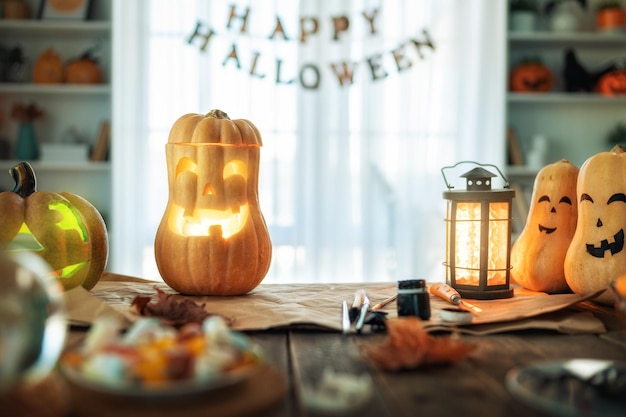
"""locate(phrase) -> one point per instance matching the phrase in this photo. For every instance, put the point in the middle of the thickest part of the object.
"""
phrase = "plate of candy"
(153, 360)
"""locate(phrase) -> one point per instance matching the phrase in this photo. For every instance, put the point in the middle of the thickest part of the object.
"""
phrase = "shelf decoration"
(64, 9)
(13, 67)
(611, 16)
(100, 150)
(596, 255)
(48, 68)
(26, 145)
(523, 15)
(62, 228)
(84, 69)
(613, 83)
(565, 15)
(531, 76)
(15, 9)
(478, 236)
(213, 239)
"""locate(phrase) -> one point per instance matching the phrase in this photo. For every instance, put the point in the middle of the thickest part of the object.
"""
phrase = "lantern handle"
(450, 186)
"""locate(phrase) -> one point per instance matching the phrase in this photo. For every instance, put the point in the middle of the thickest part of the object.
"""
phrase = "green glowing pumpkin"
(64, 229)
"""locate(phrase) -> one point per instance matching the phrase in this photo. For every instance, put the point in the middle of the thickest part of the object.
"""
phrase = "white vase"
(523, 21)
(564, 19)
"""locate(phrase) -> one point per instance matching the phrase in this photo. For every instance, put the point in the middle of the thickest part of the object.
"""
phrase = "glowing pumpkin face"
(538, 254)
(202, 209)
(212, 239)
(596, 255)
(64, 229)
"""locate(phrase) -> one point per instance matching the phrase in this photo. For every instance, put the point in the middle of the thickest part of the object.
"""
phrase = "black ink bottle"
(413, 299)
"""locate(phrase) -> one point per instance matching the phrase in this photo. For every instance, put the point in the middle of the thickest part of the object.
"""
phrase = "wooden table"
(472, 387)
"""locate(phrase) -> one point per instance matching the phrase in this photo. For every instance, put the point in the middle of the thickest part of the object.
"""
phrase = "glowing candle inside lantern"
(478, 238)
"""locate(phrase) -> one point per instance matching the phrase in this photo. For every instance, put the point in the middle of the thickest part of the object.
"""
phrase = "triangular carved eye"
(208, 190)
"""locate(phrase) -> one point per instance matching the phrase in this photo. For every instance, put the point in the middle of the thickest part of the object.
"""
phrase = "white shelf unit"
(69, 110)
(576, 124)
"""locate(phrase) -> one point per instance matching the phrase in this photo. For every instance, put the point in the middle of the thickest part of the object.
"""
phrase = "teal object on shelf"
(26, 147)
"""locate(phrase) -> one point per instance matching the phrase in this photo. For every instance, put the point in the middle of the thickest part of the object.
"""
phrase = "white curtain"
(350, 180)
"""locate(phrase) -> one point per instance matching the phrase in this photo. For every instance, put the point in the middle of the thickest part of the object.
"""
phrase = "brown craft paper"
(83, 308)
(319, 306)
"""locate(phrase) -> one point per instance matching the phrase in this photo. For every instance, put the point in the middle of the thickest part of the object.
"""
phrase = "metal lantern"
(478, 235)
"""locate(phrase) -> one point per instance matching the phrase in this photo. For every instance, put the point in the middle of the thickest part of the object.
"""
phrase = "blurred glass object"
(32, 319)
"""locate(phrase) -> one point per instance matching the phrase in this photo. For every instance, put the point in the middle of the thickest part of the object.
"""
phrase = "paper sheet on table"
(319, 306)
(83, 308)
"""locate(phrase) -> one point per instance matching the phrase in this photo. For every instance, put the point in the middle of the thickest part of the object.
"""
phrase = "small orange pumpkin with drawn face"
(531, 76)
(537, 256)
(613, 83)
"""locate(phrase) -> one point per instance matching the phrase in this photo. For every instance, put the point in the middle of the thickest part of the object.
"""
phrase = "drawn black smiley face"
(613, 237)
(550, 220)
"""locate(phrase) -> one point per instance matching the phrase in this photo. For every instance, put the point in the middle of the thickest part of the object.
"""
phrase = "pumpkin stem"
(89, 53)
(218, 114)
(618, 149)
(25, 180)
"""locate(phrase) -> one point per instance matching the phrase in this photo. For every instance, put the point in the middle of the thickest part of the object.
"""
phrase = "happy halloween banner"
(376, 66)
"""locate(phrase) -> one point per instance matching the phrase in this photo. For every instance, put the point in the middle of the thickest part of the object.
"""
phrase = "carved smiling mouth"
(205, 222)
(548, 230)
(615, 247)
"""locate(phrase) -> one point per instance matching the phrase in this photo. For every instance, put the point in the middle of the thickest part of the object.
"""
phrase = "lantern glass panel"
(467, 240)
(498, 243)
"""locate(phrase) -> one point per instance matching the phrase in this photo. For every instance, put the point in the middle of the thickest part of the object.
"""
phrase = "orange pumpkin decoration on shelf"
(531, 76)
(83, 70)
(611, 18)
(596, 255)
(537, 256)
(64, 229)
(612, 83)
(48, 68)
(212, 239)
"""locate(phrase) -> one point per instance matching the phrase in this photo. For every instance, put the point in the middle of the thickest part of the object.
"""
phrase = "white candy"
(104, 331)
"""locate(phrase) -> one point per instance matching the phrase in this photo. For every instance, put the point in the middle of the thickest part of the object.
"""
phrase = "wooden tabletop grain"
(472, 387)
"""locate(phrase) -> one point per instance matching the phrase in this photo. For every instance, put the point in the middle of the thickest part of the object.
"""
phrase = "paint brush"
(385, 302)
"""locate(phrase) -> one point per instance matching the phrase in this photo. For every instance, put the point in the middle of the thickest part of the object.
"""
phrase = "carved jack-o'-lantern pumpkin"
(64, 229)
(48, 68)
(212, 239)
(596, 255)
(613, 83)
(538, 254)
(531, 76)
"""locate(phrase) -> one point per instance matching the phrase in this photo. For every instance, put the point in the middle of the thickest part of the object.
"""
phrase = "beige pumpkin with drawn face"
(538, 255)
(596, 255)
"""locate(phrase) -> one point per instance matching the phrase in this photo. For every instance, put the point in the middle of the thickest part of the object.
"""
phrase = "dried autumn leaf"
(171, 310)
(409, 346)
